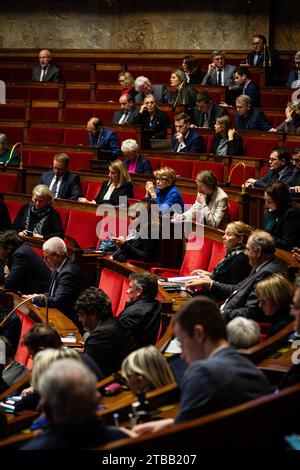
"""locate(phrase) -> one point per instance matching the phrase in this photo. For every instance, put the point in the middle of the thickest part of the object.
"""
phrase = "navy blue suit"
(53, 74)
(194, 142)
(142, 165)
(286, 228)
(106, 140)
(27, 272)
(70, 187)
(294, 180)
(253, 91)
(255, 120)
(68, 285)
(271, 176)
(260, 60)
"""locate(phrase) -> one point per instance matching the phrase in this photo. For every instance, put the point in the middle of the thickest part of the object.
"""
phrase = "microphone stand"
(34, 296)
(11, 155)
(228, 182)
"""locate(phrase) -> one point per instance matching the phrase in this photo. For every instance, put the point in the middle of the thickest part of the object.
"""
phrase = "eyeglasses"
(162, 179)
(273, 159)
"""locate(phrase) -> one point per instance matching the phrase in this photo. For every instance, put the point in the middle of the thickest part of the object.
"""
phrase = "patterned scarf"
(36, 218)
(229, 254)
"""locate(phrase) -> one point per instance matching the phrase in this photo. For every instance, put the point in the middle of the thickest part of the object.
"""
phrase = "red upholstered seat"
(82, 228)
(76, 114)
(8, 183)
(13, 208)
(13, 133)
(79, 161)
(43, 93)
(75, 137)
(123, 298)
(108, 94)
(64, 214)
(93, 188)
(263, 171)
(207, 140)
(269, 99)
(112, 284)
(188, 198)
(46, 135)
(259, 147)
(42, 158)
(77, 94)
(126, 134)
(182, 168)
(14, 92)
(139, 193)
(44, 113)
(76, 72)
(13, 111)
(290, 144)
(105, 113)
(234, 210)
(216, 167)
(217, 254)
(155, 162)
(22, 354)
(237, 177)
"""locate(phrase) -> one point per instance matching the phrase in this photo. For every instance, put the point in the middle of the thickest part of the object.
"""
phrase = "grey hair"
(244, 98)
(297, 55)
(129, 145)
(68, 388)
(3, 139)
(140, 81)
(55, 245)
(264, 241)
(243, 333)
(41, 190)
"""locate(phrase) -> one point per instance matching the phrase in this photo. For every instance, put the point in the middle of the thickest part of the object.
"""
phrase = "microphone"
(31, 297)
(266, 48)
(11, 155)
(228, 182)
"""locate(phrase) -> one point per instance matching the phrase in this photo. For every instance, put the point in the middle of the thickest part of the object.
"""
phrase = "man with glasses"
(293, 80)
(219, 73)
(280, 169)
(294, 181)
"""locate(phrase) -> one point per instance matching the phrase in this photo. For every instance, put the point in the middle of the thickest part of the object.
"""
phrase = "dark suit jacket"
(224, 379)
(215, 112)
(53, 74)
(125, 190)
(157, 128)
(271, 176)
(186, 97)
(234, 147)
(132, 118)
(52, 227)
(260, 62)
(142, 165)
(160, 93)
(251, 90)
(70, 187)
(109, 344)
(5, 223)
(293, 75)
(294, 179)
(142, 319)
(212, 79)
(107, 140)
(234, 270)
(27, 272)
(255, 120)
(194, 142)
(137, 249)
(69, 284)
(245, 303)
(286, 229)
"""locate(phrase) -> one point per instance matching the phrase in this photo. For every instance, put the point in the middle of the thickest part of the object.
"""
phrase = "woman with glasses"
(166, 195)
(282, 220)
(275, 294)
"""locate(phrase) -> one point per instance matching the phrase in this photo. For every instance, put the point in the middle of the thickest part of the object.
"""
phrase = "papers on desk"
(71, 338)
(181, 280)
(174, 347)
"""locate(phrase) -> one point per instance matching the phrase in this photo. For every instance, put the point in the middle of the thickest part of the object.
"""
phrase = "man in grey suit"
(128, 114)
(219, 73)
(207, 111)
(45, 71)
(241, 299)
(144, 87)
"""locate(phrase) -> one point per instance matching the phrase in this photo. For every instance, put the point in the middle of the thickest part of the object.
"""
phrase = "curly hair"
(94, 301)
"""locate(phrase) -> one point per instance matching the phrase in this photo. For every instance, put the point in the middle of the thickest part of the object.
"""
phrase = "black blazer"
(138, 248)
(234, 147)
(194, 142)
(52, 227)
(70, 187)
(255, 120)
(53, 74)
(27, 272)
(158, 127)
(133, 116)
(125, 190)
(234, 270)
(286, 230)
(215, 112)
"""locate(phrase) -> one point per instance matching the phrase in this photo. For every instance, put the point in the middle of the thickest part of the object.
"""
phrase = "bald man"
(45, 71)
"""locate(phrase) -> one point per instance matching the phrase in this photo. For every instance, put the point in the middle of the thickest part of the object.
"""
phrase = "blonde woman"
(146, 369)
(118, 184)
(39, 219)
(275, 294)
(226, 140)
(166, 195)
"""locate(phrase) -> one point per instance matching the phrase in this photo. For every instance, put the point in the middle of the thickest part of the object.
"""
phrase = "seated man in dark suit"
(186, 139)
(128, 114)
(293, 80)
(142, 314)
(69, 397)
(45, 71)
(207, 111)
(134, 161)
(217, 376)
(103, 138)
(144, 88)
(67, 278)
(61, 182)
(248, 118)
(294, 181)
(108, 343)
(24, 271)
(280, 169)
(245, 86)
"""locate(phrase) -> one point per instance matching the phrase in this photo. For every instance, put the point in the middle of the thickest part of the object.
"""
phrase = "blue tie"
(54, 187)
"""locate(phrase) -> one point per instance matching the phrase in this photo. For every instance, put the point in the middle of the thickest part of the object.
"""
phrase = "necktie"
(124, 118)
(219, 77)
(255, 60)
(43, 75)
(205, 122)
(53, 283)
(54, 187)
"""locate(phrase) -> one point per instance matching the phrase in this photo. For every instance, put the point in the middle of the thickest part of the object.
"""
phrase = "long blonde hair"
(122, 171)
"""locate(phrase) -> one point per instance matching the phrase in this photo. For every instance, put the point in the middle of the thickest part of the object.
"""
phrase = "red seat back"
(238, 178)
(259, 147)
(123, 298)
(215, 167)
(82, 228)
(182, 168)
(46, 135)
(92, 190)
(197, 258)
(64, 215)
(13, 208)
(8, 183)
(234, 210)
(22, 354)
(217, 254)
(112, 284)
(75, 137)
